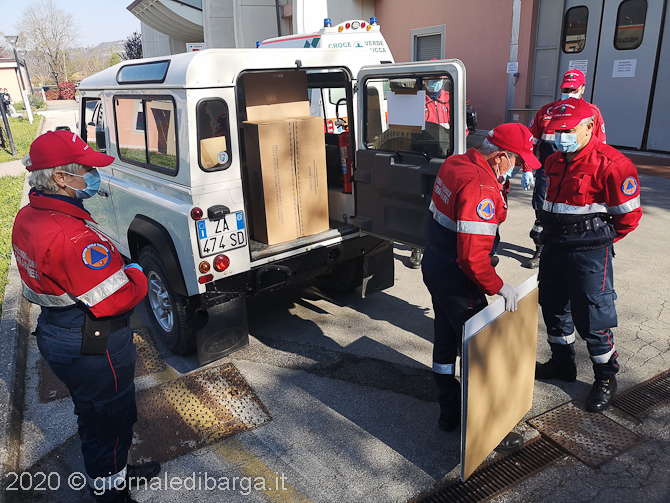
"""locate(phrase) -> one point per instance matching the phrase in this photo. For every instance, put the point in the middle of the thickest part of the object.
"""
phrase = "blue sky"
(99, 20)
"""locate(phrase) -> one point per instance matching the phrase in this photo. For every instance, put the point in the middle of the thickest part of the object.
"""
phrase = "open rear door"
(411, 117)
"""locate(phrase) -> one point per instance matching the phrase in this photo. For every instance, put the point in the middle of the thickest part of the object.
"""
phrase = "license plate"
(220, 236)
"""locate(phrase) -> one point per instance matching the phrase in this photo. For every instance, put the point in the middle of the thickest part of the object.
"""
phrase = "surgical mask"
(508, 174)
(92, 179)
(566, 142)
(565, 96)
(433, 86)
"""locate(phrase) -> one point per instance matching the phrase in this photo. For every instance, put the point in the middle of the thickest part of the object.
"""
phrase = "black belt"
(119, 324)
(576, 228)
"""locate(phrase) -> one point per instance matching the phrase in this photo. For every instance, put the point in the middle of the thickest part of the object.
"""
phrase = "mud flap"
(224, 329)
(378, 269)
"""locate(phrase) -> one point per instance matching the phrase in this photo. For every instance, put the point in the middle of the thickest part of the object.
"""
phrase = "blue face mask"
(565, 96)
(433, 86)
(566, 142)
(92, 179)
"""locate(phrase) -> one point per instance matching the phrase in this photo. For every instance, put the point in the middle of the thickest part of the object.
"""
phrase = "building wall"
(478, 33)
(339, 10)
(10, 80)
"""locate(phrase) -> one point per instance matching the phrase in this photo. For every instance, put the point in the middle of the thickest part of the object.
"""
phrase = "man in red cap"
(573, 86)
(86, 295)
(592, 201)
(468, 206)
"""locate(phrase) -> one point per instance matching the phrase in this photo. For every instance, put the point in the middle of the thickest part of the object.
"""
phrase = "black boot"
(563, 371)
(534, 262)
(601, 394)
(145, 471)
(124, 497)
(512, 442)
(449, 398)
(415, 259)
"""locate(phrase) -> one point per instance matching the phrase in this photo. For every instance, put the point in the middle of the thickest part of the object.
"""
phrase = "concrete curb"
(14, 333)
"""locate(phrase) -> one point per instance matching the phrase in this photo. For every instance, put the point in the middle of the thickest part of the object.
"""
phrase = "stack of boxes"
(286, 158)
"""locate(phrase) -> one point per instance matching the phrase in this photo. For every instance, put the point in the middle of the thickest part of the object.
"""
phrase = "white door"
(626, 60)
(659, 127)
(579, 41)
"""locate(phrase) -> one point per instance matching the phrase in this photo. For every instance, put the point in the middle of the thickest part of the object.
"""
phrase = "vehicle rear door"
(400, 149)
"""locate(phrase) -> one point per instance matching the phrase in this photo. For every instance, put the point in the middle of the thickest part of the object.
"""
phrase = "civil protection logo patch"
(629, 186)
(96, 256)
(486, 209)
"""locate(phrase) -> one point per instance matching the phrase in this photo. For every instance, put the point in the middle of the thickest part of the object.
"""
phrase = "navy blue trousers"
(103, 393)
(455, 300)
(539, 195)
(577, 292)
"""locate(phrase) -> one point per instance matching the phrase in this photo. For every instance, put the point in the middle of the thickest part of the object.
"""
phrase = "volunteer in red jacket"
(593, 201)
(86, 295)
(573, 86)
(468, 206)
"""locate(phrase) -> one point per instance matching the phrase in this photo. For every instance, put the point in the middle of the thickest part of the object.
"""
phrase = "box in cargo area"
(284, 145)
(274, 204)
(311, 174)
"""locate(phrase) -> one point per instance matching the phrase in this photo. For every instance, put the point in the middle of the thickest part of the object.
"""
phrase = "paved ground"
(347, 382)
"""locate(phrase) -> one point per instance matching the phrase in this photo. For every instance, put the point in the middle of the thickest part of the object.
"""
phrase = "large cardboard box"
(284, 146)
(310, 168)
(274, 203)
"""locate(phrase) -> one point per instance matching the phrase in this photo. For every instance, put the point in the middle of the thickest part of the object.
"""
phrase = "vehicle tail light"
(204, 267)
(363, 24)
(221, 263)
(205, 279)
(340, 28)
(347, 26)
(196, 213)
(369, 27)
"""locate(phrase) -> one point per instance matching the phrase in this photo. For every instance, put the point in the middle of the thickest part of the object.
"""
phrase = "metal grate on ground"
(180, 416)
(499, 475)
(641, 399)
(149, 361)
(591, 438)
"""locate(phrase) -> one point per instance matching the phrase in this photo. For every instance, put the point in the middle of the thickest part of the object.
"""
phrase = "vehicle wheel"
(172, 315)
(345, 276)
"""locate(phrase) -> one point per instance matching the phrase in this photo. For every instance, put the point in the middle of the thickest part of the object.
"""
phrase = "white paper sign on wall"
(624, 68)
(513, 67)
(579, 64)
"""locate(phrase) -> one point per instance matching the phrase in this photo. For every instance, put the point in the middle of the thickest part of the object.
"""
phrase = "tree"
(48, 32)
(132, 46)
(114, 59)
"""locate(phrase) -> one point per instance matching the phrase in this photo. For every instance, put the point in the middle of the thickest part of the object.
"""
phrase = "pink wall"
(478, 33)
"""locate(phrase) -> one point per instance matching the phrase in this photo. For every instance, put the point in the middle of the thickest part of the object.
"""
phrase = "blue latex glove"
(527, 180)
(134, 266)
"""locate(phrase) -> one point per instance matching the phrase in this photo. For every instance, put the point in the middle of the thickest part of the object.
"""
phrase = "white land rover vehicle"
(184, 216)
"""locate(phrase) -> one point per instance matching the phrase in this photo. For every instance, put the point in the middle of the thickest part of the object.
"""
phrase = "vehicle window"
(409, 114)
(213, 135)
(337, 94)
(92, 117)
(146, 132)
(574, 29)
(630, 24)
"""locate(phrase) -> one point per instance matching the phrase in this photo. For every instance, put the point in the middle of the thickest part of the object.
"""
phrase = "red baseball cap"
(573, 79)
(568, 113)
(58, 148)
(516, 138)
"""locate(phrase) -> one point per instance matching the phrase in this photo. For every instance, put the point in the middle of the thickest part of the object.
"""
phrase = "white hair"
(487, 147)
(587, 121)
(42, 179)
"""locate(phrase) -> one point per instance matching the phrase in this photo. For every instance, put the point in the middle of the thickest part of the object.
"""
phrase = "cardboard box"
(274, 205)
(311, 174)
(213, 152)
(284, 146)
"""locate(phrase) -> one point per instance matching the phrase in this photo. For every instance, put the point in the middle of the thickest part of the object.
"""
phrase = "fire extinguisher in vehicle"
(345, 157)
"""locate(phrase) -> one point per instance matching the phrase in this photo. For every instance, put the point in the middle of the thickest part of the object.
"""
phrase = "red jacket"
(468, 200)
(437, 111)
(63, 260)
(599, 180)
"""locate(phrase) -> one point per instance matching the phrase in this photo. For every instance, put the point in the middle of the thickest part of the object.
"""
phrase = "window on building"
(428, 43)
(213, 135)
(574, 29)
(146, 132)
(630, 24)
(410, 114)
